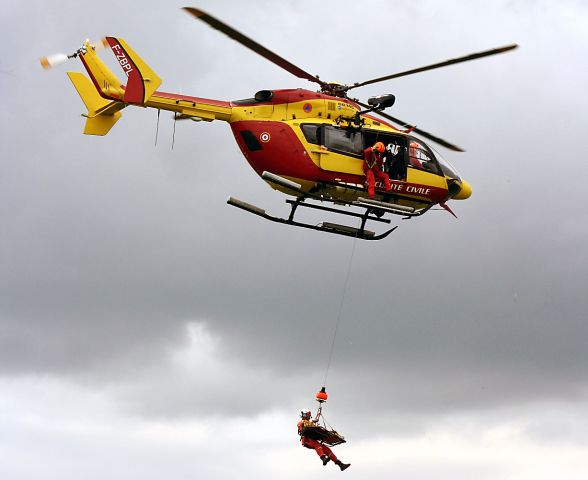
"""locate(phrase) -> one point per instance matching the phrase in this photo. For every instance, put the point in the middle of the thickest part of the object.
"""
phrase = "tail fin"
(142, 81)
(102, 113)
(105, 96)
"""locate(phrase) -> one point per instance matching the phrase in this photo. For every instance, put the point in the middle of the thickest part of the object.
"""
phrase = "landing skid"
(327, 227)
(374, 210)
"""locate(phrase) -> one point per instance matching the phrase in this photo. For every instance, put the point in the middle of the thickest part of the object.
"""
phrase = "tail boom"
(191, 107)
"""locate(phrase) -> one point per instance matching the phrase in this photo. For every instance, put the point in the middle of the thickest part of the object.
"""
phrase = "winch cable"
(341, 304)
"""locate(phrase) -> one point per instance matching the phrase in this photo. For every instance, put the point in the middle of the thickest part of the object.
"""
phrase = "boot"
(342, 465)
(325, 459)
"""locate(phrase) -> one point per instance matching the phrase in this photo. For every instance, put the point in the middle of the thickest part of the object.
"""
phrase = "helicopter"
(306, 144)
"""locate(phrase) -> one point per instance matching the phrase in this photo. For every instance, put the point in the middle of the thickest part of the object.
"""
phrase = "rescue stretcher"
(323, 435)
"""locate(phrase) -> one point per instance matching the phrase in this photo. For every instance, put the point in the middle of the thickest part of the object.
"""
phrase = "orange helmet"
(379, 147)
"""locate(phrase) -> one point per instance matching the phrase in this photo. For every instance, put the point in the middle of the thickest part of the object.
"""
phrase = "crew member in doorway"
(324, 452)
(394, 163)
(414, 152)
(372, 165)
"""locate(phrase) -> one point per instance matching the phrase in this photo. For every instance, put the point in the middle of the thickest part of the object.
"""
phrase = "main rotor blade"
(422, 133)
(452, 61)
(251, 44)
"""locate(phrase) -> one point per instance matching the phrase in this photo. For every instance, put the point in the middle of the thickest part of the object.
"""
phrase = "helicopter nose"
(464, 192)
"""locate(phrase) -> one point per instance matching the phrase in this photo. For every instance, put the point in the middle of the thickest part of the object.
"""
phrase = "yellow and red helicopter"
(306, 144)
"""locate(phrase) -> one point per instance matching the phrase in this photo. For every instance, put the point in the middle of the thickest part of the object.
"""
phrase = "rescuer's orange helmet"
(379, 147)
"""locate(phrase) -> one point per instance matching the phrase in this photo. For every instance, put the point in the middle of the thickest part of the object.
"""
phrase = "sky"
(148, 330)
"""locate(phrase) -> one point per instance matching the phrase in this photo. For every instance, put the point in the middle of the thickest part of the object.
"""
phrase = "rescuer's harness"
(374, 160)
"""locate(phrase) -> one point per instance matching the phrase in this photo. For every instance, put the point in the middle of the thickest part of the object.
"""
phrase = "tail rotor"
(56, 59)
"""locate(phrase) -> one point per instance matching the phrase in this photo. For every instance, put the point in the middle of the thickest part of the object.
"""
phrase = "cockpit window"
(421, 157)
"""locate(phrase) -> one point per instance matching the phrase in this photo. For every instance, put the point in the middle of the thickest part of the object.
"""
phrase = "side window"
(312, 132)
(344, 140)
(420, 157)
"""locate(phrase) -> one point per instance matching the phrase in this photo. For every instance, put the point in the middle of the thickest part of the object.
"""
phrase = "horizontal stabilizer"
(87, 92)
(101, 124)
(102, 113)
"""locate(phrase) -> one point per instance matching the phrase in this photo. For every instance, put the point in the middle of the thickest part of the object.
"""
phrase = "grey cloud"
(109, 246)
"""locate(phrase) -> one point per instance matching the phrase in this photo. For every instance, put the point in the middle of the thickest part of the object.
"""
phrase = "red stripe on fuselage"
(285, 155)
(280, 97)
(187, 98)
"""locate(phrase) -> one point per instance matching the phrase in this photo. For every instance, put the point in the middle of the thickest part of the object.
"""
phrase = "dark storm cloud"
(111, 246)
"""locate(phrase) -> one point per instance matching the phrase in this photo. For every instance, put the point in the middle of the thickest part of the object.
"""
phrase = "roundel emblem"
(307, 107)
(265, 137)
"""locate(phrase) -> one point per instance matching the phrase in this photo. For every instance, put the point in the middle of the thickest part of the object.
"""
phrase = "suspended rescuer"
(324, 452)
(373, 158)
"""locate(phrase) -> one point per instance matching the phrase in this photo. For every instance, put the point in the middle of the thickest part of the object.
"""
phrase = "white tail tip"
(53, 60)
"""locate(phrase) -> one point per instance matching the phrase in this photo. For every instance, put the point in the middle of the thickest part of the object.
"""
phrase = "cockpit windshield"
(448, 169)
(425, 157)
